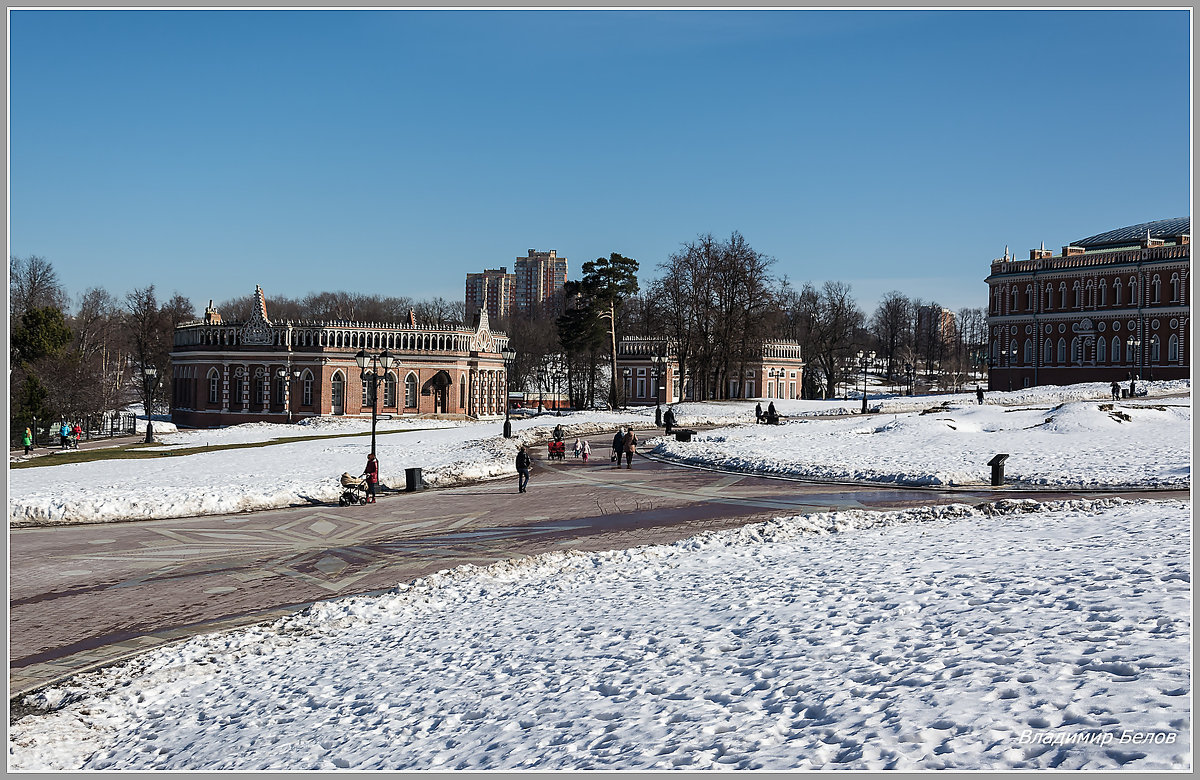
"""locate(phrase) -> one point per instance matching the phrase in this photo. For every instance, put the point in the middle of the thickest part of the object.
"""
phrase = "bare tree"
(33, 284)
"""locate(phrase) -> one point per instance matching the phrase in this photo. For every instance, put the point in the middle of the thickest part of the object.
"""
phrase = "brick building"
(237, 372)
(1110, 307)
(648, 373)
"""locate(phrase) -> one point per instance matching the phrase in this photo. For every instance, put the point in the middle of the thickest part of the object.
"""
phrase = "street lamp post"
(150, 382)
(656, 363)
(1011, 355)
(541, 377)
(863, 361)
(384, 360)
(911, 372)
(627, 373)
(510, 358)
(1134, 342)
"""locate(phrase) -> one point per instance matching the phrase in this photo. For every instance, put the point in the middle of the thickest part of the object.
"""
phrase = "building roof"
(1163, 228)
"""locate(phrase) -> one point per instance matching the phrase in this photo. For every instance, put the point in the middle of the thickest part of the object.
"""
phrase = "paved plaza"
(84, 596)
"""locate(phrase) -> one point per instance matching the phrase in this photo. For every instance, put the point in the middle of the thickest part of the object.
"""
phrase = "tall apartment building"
(493, 290)
(540, 279)
(535, 285)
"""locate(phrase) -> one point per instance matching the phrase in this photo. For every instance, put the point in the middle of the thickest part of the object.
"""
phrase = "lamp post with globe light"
(510, 358)
(863, 360)
(383, 360)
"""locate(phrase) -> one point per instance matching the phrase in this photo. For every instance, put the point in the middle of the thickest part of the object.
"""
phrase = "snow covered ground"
(1028, 636)
(1081, 446)
(1087, 444)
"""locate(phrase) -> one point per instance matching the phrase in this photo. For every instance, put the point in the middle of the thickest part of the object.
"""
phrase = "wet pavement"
(85, 596)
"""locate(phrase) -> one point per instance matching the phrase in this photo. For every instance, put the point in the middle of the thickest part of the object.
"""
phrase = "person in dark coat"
(758, 412)
(772, 416)
(1116, 391)
(979, 393)
(371, 472)
(523, 464)
(669, 420)
(618, 448)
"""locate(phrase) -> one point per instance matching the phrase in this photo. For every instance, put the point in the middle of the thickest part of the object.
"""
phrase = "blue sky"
(396, 151)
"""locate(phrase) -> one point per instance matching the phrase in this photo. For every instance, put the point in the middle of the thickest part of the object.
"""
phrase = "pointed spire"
(260, 304)
(1006, 253)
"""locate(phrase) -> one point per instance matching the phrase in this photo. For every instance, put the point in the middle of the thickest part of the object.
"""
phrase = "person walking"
(523, 464)
(585, 449)
(979, 394)
(64, 434)
(630, 447)
(772, 416)
(669, 420)
(1116, 391)
(76, 435)
(577, 450)
(27, 440)
(371, 472)
(757, 413)
(618, 448)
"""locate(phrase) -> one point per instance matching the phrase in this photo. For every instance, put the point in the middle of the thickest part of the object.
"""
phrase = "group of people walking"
(624, 445)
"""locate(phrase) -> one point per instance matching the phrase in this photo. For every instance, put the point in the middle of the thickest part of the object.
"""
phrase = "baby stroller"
(558, 450)
(355, 490)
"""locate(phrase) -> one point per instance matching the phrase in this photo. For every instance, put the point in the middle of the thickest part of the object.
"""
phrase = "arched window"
(1154, 348)
(996, 301)
(1028, 352)
(1101, 350)
(1048, 353)
(306, 395)
(1116, 292)
(410, 391)
(1116, 349)
(1062, 351)
(389, 390)
(1156, 289)
(1014, 299)
(1062, 295)
(1076, 351)
(1049, 297)
(337, 395)
(995, 351)
(1173, 348)
(1030, 297)
(462, 391)
(214, 386)
(1174, 288)
(1133, 291)
(1078, 295)
(1103, 292)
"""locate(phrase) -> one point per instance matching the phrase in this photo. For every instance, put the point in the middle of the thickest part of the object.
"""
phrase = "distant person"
(523, 464)
(669, 420)
(979, 393)
(585, 450)
(758, 415)
(76, 434)
(577, 450)
(1116, 391)
(27, 440)
(371, 472)
(618, 446)
(64, 436)
(772, 415)
(558, 432)
(630, 447)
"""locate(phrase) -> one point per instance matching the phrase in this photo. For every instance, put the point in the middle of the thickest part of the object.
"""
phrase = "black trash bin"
(683, 435)
(412, 480)
(997, 464)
